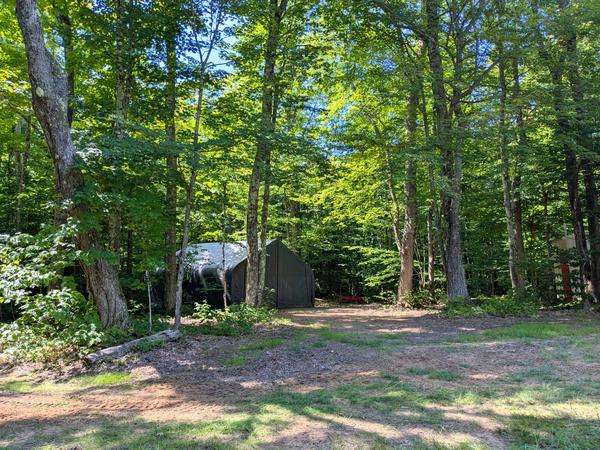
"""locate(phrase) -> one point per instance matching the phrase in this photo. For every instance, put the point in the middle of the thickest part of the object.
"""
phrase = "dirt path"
(355, 377)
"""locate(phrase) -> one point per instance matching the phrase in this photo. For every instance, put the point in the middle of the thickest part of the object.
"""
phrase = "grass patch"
(102, 379)
(392, 336)
(535, 423)
(262, 344)
(137, 433)
(84, 381)
(356, 340)
(359, 339)
(465, 338)
(445, 375)
(529, 432)
(16, 386)
(433, 445)
(235, 361)
(543, 374)
(539, 331)
(529, 330)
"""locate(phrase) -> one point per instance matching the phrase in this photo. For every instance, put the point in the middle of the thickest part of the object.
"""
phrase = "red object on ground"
(352, 299)
(566, 280)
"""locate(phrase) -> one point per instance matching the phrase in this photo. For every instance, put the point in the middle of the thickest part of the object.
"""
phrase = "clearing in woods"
(355, 377)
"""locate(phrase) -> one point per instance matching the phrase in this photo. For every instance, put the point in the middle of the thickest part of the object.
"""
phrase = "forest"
(407, 152)
(437, 159)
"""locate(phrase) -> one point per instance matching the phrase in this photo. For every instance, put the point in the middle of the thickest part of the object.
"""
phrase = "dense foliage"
(457, 140)
(54, 317)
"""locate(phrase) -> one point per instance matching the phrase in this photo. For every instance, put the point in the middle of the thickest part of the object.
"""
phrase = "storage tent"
(290, 278)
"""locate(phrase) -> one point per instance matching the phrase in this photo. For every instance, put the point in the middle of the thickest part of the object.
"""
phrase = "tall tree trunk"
(582, 136)
(171, 198)
(452, 154)
(253, 260)
(431, 232)
(49, 99)
(571, 169)
(256, 263)
(457, 280)
(264, 228)
(396, 222)
(432, 210)
(516, 276)
(189, 202)
(591, 197)
(405, 284)
(516, 183)
(455, 270)
(204, 54)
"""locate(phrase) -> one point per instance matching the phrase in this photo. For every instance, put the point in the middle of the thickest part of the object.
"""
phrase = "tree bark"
(433, 207)
(50, 100)
(189, 202)
(571, 167)
(405, 282)
(516, 276)
(451, 154)
(256, 260)
(171, 197)
(65, 30)
(516, 182)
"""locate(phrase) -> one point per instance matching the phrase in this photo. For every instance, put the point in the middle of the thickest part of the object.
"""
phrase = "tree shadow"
(193, 402)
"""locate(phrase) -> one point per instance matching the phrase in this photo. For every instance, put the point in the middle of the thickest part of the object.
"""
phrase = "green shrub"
(52, 326)
(457, 307)
(509, 306)
(236, 320)
(423, 298)
(202, 311)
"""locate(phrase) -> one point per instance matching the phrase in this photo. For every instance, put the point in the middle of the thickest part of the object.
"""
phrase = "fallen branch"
(110, 353)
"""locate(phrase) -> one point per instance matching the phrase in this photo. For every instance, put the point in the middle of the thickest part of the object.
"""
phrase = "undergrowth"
(234, 321)
(503, 306)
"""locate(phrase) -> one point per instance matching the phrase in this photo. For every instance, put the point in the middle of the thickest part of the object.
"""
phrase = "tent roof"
(210, 254)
